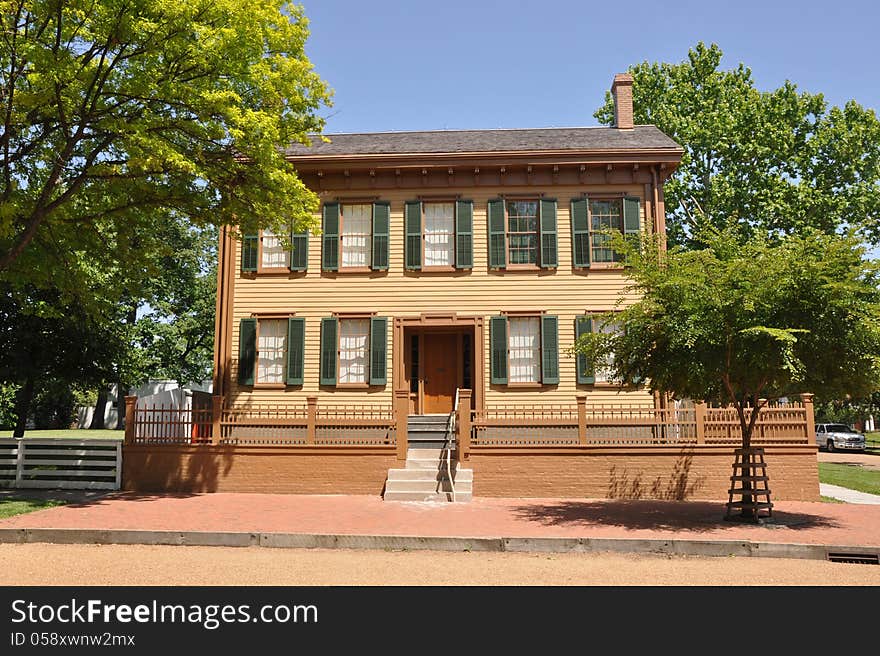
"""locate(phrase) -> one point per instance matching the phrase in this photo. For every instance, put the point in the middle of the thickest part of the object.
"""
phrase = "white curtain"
(353, 339)
(272, 350)
(357, 230)
(525, 350)
(274, 256)
(439, 234)
(603, 369)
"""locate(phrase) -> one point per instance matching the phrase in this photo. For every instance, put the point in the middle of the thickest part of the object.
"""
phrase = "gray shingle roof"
(487, 141)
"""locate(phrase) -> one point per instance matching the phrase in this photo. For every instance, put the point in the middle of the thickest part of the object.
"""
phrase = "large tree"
(775, 161)
(745, 323)
(112, 110)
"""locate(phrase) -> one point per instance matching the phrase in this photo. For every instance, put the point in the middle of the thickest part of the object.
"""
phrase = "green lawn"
(76, 434)
(10, 507)
(872, 440)
(854, 478)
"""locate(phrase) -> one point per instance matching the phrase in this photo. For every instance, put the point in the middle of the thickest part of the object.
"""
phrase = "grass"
(10, 507)
(872, 441)
(854, 478)
(830, 499)
(76, 434)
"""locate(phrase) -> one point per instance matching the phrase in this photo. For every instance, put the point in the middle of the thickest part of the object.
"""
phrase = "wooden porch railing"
(573, 425)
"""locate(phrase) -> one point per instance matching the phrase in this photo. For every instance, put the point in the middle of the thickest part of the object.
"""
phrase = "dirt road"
(49, 564)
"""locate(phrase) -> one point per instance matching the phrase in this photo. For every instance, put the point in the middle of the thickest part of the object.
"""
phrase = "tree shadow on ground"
(692, 516)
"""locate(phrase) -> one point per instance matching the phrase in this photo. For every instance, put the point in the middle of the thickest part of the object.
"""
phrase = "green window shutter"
(381, 222)
(247, 351)
(299, 251)
(413, 226)
(378, 350)
(550, 349)
(329, 326)
(497, 235)
(580, 233)
(498, 346)
(631, 212)
(330, 227)
(547, 227)
(464, 234)
(250, 250)
(582, 326)
(296, 345)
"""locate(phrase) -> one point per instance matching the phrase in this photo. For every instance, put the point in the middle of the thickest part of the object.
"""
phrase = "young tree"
(776, 161)
(113, 109)
(747, 323)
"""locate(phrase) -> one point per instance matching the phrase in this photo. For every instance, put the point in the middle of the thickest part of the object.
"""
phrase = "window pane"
(522, 226)
(356, 232)
(525, 350)
(439, 234)
(271, 350)
(353, 340)
(274, 256)
(603, 369)
(605, 215)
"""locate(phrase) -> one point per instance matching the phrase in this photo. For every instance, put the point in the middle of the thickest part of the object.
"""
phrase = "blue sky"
(455, 64)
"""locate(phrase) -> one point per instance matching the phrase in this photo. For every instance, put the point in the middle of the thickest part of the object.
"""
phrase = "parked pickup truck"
(839, 437)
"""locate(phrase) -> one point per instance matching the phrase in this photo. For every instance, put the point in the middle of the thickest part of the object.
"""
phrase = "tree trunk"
(100, 408)
(22, 405)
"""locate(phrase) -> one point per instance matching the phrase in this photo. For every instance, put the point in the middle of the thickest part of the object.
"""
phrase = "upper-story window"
(273, 255)
(593, 222)
(356, 230)
(522, 233)
(355, 236)
(605, 215)
(439, 235)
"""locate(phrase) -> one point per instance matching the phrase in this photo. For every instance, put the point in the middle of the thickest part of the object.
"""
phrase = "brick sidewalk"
(793, 522)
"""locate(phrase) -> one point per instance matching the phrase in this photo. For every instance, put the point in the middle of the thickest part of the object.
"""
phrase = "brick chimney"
(622, 92)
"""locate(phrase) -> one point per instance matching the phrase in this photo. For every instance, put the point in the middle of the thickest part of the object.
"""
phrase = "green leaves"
(735, 321)
(117, 110)
(768, 162)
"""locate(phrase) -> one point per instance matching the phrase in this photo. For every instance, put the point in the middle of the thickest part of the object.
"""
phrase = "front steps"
(425, 478)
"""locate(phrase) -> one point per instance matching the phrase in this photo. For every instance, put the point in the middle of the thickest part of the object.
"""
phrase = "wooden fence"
(61, 464)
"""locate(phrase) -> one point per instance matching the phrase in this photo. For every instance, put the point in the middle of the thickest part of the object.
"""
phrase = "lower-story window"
(524, 349)
(354, 336)
(271, 350)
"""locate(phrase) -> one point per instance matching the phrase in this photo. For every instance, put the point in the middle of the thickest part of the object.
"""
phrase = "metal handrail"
(450, 437)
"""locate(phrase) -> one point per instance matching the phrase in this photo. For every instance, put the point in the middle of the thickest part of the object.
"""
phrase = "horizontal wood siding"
(563, 291)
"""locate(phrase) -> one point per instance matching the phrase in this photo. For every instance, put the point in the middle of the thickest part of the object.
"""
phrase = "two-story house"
(452, 267)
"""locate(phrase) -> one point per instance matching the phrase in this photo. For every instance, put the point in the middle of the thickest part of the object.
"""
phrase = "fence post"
(311, 418)
(700, 418)
(130, 404)
(582, 419)
(463, 424)
(216, 417)
(401, 419)
(811, 420)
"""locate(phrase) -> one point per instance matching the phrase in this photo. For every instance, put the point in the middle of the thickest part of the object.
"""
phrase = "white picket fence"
(61, 464)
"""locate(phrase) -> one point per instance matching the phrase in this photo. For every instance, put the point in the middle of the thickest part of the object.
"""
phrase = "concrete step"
(428, 486)
(426, 433)
(460, 497)
(427, 419)
(429, 474)
(421, 452)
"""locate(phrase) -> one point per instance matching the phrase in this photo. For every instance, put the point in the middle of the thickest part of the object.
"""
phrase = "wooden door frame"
(445, 322)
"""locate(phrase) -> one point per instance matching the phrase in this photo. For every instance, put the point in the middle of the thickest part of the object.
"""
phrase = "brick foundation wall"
(647, 473)
(619, 473)
(264, 469)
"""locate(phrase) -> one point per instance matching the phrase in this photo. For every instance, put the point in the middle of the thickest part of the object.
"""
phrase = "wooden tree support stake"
(750, 483)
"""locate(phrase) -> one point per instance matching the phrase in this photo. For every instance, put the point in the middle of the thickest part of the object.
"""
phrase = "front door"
(440, 372)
